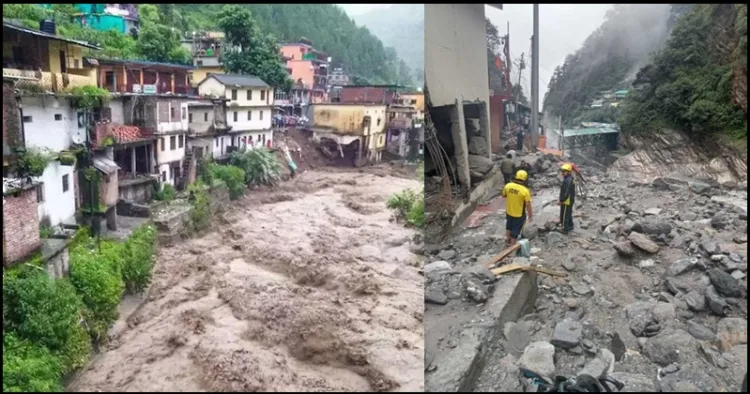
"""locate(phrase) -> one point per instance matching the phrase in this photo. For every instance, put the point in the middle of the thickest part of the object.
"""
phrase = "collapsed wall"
(672, 154)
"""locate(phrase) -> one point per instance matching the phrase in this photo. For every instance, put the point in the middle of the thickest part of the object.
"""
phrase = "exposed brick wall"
(370, 95)
(20, 227)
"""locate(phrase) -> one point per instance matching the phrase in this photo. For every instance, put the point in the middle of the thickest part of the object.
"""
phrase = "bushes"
(260, 165)
(138, 253)
(200, 216)
(409, 205)
(28, 367)
(48, 323)
(234, 177)
(166, 193)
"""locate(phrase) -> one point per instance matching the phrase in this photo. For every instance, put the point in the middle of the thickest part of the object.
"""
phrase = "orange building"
(308, 68)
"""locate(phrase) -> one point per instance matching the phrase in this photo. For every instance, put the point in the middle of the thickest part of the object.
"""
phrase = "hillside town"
(103, 153)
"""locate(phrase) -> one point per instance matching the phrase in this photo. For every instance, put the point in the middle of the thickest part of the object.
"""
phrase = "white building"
(249, 109)
(208, 129)
(51, 124)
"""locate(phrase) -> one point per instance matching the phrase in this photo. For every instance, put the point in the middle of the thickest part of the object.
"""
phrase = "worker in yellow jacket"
(517, 206)
(567, 198)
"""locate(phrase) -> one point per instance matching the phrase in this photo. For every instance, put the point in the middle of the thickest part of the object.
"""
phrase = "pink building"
(309, 70)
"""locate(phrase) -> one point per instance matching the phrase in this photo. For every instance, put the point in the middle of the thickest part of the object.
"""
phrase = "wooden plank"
(516, 267)
(505, 253)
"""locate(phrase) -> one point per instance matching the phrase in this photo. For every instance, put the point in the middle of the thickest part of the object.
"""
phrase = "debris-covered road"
(309, 287)
(655, 289)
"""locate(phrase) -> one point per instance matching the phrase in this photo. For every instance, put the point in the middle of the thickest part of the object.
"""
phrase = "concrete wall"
(456, 52)
(165, 153)
(249, 118)
(57, 205)
(200, 74)
(140, 193)
(109, 191)
(250, 97)
(200, 118)
(220, 145)
(172, 116)
(52, 123)
(118, 111)
(347, 119)
(211, 87)
(20, 226)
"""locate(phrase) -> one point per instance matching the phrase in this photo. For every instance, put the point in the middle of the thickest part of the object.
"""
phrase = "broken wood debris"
(505, 253)
(512, 267)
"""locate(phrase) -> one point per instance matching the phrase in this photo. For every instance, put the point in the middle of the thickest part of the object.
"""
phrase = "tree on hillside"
(251, 52)
(157, 41)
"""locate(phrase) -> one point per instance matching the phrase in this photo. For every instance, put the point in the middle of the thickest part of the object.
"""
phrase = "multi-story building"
(308, 68)
(105, 17)
(37, 67)
(355, 132)
(338, 77)
(206, 49)
(208, 131)
(249, 109)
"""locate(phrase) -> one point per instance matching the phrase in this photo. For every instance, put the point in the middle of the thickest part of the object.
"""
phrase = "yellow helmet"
(522, 175)
(566, 167)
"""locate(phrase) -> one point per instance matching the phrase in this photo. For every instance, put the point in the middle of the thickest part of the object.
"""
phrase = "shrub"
(166, 193)
(45, 231)
(233, 176)
(40, 308)
(97, 279)
(32, 162)
(138, 252)
(200, 216)
(29, 367)
(402, 202)
(260, 165)
(77, 352)
(415, 216)
(205, 164)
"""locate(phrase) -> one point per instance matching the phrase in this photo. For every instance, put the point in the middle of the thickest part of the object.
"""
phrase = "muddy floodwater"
(310, 287)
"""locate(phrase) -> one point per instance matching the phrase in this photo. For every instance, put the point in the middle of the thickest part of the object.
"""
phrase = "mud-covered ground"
(665, 310)
(309, 287)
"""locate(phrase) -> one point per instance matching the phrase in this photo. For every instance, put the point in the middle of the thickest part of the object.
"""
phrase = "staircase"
(187, 167)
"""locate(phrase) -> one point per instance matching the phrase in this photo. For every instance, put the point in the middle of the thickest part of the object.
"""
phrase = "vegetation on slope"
(692, 83)
(496, 77)
(326, 25)
(606, 59)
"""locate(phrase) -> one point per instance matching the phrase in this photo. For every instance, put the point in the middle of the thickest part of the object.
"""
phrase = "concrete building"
(206, 49)
(308, 69)
(137, 76)
(208, 131)
(249, 109)
(457, 79)
(353, 132)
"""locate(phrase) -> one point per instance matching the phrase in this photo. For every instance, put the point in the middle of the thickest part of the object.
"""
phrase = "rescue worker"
(517, 207)
(506, 167)
(577, 172)
(567, 198)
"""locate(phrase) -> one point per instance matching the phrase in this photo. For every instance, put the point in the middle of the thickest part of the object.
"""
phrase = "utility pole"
(535, 82)
(521, 67)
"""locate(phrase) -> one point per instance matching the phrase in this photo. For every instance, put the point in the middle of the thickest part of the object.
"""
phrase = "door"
(63, 64)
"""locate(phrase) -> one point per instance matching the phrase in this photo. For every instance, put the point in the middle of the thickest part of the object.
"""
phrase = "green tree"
(252, 52)
(161, 43)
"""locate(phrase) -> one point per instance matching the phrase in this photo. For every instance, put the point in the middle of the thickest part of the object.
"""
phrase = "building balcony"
(400, 123)
(46, 81)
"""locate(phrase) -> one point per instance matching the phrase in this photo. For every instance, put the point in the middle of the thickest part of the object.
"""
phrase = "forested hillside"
(400, 26)
(326, 25)
(162, 26)
(697, 83)
(608, 59)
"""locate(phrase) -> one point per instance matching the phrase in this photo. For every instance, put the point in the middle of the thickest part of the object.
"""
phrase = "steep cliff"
(673, 154)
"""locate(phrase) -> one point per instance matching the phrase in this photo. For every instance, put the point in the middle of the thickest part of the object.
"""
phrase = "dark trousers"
(566, 217)
(507, 177)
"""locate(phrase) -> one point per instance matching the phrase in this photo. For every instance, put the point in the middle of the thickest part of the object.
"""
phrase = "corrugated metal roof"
(589, 131)
(238, 80)
(105, 165)
(144, 63)
(39, 33)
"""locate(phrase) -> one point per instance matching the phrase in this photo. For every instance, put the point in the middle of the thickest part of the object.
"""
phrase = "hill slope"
(400, 26)
(326, 25)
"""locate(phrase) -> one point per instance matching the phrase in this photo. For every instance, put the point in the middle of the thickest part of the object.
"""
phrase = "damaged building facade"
(458, 93)
(351, 133)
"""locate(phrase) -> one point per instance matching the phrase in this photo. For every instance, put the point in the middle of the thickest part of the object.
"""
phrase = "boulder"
(724, 283)
(643, 242)
(539, 357)
(567, 334)
(732, 330)
(668, 347)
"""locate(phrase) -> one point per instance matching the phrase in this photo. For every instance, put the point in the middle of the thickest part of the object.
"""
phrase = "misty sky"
(562, 30)
(357, 9)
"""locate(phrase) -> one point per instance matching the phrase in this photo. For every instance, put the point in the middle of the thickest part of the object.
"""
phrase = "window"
(249, 94)
(234, 116)
(261, 115)
(58, 117)
(264, 138)
(378, 121)
(183, 111)
(163, 176)
(109, 78)
(205, 116)
(40, 193)
(66, 184)
(172, 142)
(217, 143)
(161, 142)
(171, 113)
(181, 140)
(27, 119)
(76, 64)
(234, 94)
(262, 95)
(249, 115)
(190, 118)
(259, 138)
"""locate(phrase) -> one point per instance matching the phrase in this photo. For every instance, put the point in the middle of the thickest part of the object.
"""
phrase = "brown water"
(310, 287)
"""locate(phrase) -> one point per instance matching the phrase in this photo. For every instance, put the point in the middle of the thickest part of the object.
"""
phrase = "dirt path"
(306, 288)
